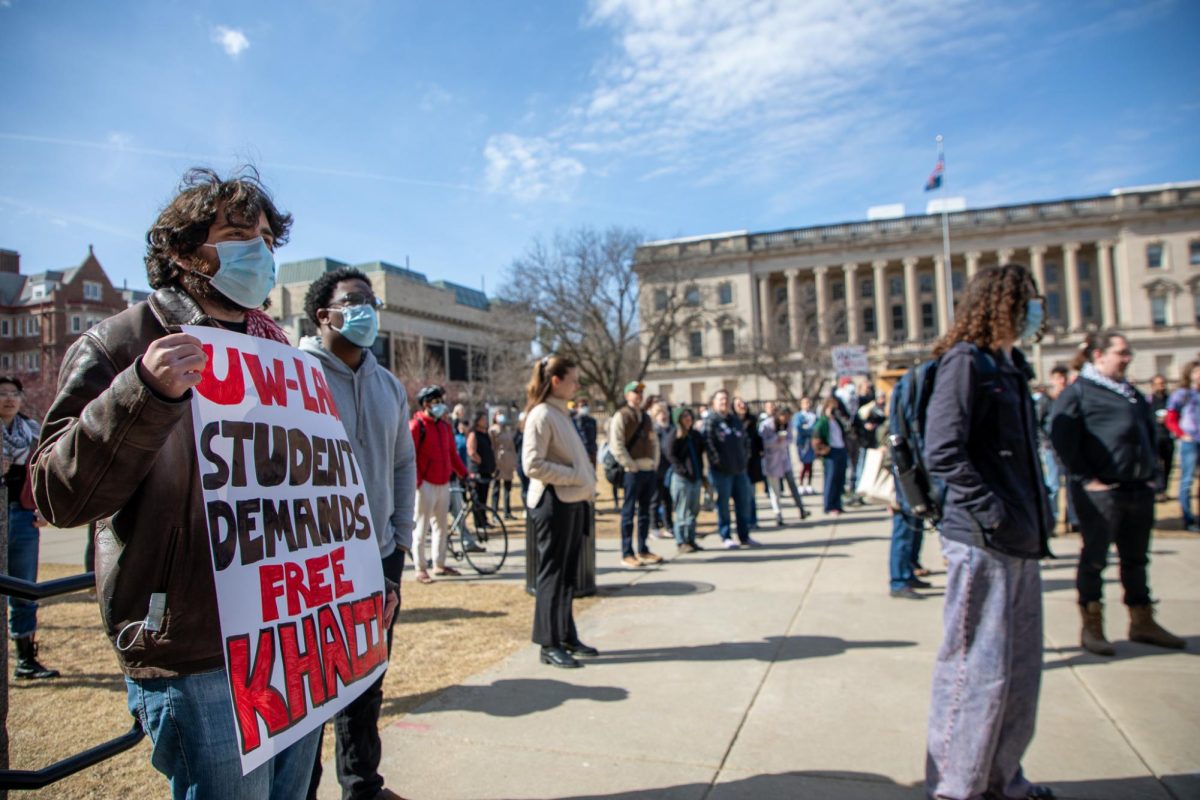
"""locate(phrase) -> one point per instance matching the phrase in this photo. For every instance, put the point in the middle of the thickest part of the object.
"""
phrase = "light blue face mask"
(247, 272)
(1034, 316)
(360, 324)
(437, 410)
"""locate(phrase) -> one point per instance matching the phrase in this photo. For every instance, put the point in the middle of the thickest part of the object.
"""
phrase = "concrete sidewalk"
(788, 672)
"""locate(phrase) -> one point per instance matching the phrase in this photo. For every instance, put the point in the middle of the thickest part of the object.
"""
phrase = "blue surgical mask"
(247, 272)
(502, 420)
(1034, 315)
(438, 410)
(360, 324)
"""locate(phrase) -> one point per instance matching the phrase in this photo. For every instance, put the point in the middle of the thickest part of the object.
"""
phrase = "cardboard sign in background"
(299, 581)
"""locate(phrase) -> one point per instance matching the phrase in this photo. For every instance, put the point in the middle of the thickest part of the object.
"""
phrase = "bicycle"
(490, 543)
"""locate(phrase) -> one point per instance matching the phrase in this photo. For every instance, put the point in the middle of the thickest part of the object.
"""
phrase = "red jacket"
(437, 456)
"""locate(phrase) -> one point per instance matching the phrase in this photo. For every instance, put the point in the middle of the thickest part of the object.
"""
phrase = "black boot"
(28, 667)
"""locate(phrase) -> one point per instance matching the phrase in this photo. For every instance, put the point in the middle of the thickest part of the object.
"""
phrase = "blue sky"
(453, 133)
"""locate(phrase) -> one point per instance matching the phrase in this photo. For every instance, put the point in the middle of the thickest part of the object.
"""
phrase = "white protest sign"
(299, 581)
(850, 359)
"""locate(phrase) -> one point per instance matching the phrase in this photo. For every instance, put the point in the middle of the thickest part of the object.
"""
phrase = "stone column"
(1108, 297)
(1071, 273)
(765, 310)
(1004, 255)
(912, 300)
(883, 315)
(794, 313)
(852, 319)
(972, 263)
(822, 275)
(1037, 263)
(941, 293)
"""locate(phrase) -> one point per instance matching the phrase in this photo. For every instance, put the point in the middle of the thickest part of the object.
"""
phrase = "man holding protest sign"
(374, 409)
(120, 440)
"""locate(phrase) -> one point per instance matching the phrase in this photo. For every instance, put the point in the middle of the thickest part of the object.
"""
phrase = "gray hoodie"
(374, 409)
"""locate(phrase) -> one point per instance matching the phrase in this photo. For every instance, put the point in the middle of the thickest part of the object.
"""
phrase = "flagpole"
(949, 287)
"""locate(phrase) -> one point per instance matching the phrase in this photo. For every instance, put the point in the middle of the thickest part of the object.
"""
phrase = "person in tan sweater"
(635, 446)
(561, 488)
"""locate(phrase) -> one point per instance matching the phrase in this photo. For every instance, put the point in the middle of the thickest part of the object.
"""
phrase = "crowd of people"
(117, 444)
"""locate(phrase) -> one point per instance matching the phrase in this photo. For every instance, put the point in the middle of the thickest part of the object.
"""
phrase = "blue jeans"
(987, 675)
(904, 532)
(1050, 472)
(686, 497)
(23, 542)
(194, 739)
(736, 486)
(1188, 452)
(835, 478)
(639, 492)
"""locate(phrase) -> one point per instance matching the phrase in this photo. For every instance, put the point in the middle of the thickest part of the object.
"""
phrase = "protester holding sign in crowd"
(119, 440)
(373, 408)
(562, 486)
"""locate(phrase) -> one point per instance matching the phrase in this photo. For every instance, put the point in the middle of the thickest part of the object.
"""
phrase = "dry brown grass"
(447, 631)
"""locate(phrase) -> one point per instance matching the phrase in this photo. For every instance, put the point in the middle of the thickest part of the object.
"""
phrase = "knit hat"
(679, 411)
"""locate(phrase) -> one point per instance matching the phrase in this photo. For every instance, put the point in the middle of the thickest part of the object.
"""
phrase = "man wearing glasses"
(374, 408)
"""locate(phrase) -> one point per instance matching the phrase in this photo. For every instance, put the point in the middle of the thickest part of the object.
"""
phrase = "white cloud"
(233, 40)
(530, 168)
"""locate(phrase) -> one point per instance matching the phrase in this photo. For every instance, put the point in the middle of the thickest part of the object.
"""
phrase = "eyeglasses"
(359, 299)
(12, 394)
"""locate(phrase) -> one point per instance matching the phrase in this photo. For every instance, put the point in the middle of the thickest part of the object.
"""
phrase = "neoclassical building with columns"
(1128, 260)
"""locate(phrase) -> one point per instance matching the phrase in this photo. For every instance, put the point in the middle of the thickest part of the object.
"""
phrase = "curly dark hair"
(992, 310)
(320, 291)
(183, 225)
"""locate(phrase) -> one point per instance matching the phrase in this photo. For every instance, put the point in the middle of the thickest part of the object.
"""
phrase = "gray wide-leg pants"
(987, 676)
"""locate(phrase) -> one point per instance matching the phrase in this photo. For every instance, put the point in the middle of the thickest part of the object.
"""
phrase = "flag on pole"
(935, 177)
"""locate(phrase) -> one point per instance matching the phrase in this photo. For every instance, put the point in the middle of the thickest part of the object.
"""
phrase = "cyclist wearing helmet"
(437, 460)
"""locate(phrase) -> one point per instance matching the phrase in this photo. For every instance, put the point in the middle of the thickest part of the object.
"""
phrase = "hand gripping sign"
(299, 582)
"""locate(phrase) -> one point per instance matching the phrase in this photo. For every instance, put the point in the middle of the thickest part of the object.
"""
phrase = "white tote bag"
(876, 484)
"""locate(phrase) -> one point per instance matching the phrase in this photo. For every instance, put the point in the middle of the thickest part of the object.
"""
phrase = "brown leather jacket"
(112, 447)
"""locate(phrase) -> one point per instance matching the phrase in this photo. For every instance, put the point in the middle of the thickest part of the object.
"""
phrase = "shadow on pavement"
(418, 615)
(656, 588)
(772, 648)
(518, 696)
(742, 557)
(868, 786)
(1126, 651)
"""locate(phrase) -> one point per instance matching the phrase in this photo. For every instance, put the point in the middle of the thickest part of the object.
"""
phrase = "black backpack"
(923, 494)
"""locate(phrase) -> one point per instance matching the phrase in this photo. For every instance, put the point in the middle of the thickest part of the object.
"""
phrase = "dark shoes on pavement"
(28, 667)
(917, 583)
(1036, 792)
(1091, 636)
(649, 558)
(907, 593)
(557, 657)
(1143, 628)
(580, 649)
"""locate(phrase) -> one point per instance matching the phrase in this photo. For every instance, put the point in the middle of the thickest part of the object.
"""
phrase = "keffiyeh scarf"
(1120, 387)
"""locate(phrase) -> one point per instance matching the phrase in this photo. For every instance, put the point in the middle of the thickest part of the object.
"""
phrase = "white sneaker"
(662, 533)
(731, 544)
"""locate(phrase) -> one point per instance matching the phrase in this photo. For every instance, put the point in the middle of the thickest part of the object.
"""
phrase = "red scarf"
(261, 325)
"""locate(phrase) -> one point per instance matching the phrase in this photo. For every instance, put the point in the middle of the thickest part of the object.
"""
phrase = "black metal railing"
(25, 779)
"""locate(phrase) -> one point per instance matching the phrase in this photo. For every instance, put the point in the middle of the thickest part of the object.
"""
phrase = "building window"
(927, 315)
(725, 293)
(1085, 302)
(866, 289)
(780, 295)
(728, 343)
(1053, 306)
(869, 320)
(1052, 273)
(695, 344)
(1158, 311)
(34, 326)
(1195, 308)
(20, 326)
(839, 291)
(896, 287)
(810, 293)
(897, 321)
(76, 323)
(925, 283)
(692, 296)
(1194, 253)
(38, 292)
(957, 280)
(6, 361)
(92, 290)
(664, 349)
(6, 328)
(1084, 269)
(36, 358)
(660, 299)
(1154, 255)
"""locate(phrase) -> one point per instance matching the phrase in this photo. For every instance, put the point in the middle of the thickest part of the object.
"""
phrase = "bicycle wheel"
(491, 543)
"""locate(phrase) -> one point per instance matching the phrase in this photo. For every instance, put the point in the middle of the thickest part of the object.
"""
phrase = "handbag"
(820, 447)
(876, 484)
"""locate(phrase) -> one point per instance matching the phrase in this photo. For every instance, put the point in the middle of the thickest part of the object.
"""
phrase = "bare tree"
(585, 297)
(417, 367)
(799, 372)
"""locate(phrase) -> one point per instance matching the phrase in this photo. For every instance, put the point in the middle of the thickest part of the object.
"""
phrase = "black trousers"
(558, 529)
(1166, 458)
(357, 725)
(481, 485)
(1121, 515)
(502, 488)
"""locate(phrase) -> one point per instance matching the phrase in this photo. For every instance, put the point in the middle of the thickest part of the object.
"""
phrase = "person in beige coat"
(562, 485)
(505, 449)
